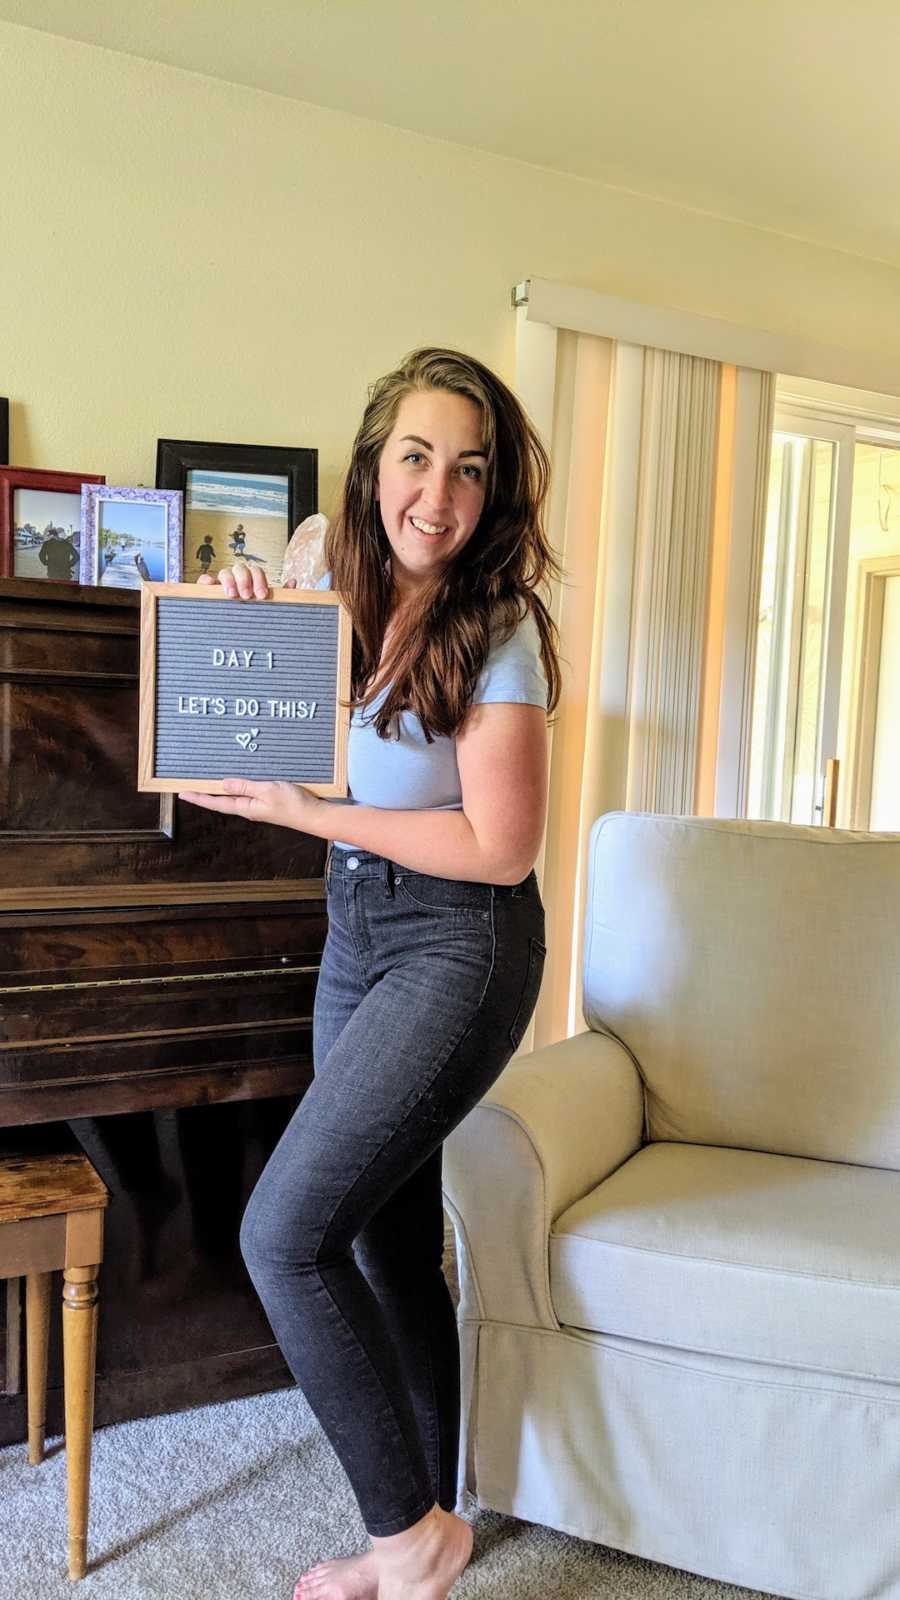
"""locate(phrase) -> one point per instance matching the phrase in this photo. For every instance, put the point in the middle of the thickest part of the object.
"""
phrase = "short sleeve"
(514, 672)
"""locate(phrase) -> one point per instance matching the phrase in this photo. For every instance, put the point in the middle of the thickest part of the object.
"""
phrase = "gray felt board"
(246, 690)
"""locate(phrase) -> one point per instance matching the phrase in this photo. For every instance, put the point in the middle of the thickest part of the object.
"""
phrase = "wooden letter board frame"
(151, 594)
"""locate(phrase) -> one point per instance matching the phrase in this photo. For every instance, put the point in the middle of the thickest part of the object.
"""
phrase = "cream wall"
(187, 257)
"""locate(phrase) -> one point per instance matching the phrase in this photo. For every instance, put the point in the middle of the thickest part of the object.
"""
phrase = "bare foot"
(424, 1562)
(349, 1578)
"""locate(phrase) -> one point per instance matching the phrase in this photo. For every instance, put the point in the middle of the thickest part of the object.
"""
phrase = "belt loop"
(328, 866)
(389, 879)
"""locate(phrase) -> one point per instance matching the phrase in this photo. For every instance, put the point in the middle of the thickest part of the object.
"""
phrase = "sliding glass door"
(801, 619)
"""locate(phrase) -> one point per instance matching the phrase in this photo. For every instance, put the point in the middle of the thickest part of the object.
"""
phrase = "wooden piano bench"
(51, 1217)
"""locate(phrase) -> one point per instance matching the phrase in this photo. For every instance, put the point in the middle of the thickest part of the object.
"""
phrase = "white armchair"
(679, 1233)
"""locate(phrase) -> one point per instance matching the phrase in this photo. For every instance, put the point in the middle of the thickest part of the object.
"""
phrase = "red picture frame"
(13, 478)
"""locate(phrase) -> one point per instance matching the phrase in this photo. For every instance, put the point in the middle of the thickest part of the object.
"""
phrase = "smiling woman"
(430, 497)
(435, 949)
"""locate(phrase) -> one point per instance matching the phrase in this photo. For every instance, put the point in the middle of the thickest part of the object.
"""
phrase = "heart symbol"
(243, 739)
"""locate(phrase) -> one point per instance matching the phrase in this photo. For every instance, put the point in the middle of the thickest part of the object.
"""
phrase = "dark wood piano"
(157, 971)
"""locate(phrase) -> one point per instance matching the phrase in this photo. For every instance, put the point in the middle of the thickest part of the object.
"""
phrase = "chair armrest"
(554, 1125)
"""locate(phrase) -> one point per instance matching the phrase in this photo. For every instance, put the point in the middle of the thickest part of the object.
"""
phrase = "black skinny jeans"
(426, 987)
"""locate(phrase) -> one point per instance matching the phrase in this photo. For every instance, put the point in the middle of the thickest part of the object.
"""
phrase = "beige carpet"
(231, 1502)
(228, 1502)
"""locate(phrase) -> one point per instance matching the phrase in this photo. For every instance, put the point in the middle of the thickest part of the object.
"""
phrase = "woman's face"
(430, 483)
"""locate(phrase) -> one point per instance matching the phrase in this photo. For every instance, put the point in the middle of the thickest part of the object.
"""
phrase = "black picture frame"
(4, 432)
(175, 458)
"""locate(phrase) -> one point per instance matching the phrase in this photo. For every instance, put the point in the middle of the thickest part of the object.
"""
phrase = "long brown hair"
(484, 592)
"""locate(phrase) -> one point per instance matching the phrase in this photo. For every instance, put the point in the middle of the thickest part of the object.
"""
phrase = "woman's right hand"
(243, 582)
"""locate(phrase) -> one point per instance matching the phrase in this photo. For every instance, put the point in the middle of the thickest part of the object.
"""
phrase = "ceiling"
(779, 113)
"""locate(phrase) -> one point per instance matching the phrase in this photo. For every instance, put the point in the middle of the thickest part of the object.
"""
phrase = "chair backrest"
(752, 970)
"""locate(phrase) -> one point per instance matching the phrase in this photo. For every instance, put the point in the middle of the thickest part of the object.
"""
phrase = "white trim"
(807, 420)
(811, 424)
(859, 406)
(836, 603)
(868, 646)
(888, 438)
(631, 322)
(859, 417)
(864, 426)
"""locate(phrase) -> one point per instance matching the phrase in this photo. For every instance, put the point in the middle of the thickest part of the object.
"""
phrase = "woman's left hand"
(286, 805)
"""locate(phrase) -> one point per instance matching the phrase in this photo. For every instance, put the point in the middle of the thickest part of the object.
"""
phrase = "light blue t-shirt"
(408, 774)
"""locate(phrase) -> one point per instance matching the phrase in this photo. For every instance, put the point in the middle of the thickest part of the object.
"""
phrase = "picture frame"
(130, 536)
(240, 501)
(229, 690)
(32, 501)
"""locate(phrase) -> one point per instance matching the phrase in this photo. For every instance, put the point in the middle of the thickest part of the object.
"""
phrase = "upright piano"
(158, 964)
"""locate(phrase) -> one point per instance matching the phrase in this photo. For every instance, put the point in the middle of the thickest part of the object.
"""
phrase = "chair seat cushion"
(738, 1253)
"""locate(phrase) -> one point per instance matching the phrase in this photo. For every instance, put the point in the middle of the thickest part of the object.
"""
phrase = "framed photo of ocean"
(129, 536)
(243, 689)
(240, 501)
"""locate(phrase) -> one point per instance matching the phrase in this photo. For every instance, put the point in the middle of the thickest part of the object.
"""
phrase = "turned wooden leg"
(37, 1329)
(80, 1295)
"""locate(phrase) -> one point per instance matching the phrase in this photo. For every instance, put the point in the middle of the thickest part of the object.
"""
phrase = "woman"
(435, 947)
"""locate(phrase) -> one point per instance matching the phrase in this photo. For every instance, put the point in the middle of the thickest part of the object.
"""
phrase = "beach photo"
(46, 534)
(232, 516)
(130, 536)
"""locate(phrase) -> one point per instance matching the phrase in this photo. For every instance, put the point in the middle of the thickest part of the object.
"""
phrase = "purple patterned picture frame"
(130, 536)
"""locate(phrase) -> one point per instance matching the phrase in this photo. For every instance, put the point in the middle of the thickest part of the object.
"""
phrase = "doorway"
(826, 703)
(874, 769)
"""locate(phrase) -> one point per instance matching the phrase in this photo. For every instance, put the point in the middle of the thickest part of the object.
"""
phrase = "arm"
(552, 1127)
(501, 752)
(502, 756)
